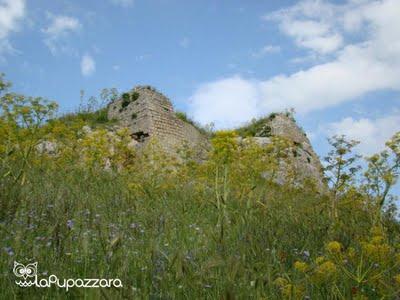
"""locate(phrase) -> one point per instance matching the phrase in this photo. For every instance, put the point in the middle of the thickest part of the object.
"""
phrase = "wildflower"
(397, 279)
(300, 266)
(282, 256)
(334, 247)
(319, 260)
(325, 272)
(328, 267)
(354, 290)
(376, 231)
(31, 227)
(292, 291)
(376, 240)
(306, 254)
(280, 282)
(351, 252)
(70, 224)
(397, 257)
(287, 290)
(9, 251)
(376, 252)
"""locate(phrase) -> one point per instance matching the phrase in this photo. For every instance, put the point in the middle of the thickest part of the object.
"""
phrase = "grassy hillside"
(177, 229)
(90, 118)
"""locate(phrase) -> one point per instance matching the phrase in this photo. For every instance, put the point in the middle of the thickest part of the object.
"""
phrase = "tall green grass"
(170, 228)
(167, 243)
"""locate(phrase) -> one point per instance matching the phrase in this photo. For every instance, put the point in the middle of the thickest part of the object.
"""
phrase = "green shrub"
(93, 119)
(134, 96)
(183, 116)
(253, 128)
(126, 100)
(257, 127)
(101, 116)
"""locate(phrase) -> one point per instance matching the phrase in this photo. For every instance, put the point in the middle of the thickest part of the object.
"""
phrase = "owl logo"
(28, 274)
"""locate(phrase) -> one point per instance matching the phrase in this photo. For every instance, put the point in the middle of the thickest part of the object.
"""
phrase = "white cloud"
(225, 102)
(185, 42)
(357, 68)
(11, 13)
(58, 30)
(123, 3)
(372, 133)
(312, 24)
(266, 50)
(88, 65)
(313, 35)
(61, 25)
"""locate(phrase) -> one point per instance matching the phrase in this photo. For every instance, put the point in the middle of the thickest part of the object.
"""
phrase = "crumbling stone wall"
(149, 114)
(306, 161)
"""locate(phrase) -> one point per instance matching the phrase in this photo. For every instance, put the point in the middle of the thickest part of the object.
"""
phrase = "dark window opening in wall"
(140, 136)
(308, 160)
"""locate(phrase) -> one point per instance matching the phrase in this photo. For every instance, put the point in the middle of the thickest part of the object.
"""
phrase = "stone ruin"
(149, 114)
(305, 161)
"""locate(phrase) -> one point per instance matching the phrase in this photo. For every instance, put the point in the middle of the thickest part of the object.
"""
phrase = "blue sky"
(336, 62)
